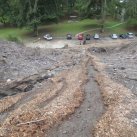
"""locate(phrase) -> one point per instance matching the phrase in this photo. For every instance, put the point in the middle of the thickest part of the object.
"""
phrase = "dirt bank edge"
(27, 121)
(119, 101)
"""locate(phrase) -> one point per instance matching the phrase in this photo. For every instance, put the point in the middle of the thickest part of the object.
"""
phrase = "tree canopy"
(34, 12)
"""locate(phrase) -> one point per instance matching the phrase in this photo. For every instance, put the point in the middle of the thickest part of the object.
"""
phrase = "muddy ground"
(21, 68)
(86, 116)
(79, 91)
(120, 63)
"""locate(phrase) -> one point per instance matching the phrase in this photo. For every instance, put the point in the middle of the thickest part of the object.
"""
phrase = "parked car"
(80, 36)
(48, 37)
(96, 36)
(69, 36)
(130, 35)
(123, 36)
(114, 36)
(88, 37)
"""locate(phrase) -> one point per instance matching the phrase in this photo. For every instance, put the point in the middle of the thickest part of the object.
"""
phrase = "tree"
(33, 12)
(5, 11)
(29, 12)
(89, 8)
(93, 8)
(103, 14)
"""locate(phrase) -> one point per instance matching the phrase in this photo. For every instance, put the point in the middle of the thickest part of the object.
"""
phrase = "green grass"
(61, 29)
(14, 32)
(118, 29)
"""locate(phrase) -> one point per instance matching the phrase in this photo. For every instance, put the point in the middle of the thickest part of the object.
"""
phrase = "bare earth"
(78, 91)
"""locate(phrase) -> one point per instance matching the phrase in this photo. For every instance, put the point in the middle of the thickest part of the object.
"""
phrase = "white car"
(114, 36)
(130, 35)
(96, 36)
(48, 37)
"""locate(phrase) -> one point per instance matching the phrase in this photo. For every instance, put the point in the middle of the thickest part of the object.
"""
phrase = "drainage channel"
(81, 123)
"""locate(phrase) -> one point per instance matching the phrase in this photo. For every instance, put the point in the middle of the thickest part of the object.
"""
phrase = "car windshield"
(48, 35)
(69, 35)
(114, 35)
(130, 33)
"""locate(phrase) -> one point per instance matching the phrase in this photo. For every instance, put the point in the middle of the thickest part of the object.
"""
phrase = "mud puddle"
(82, 122)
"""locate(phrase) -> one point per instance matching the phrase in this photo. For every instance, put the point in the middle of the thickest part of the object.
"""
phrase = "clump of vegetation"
(13, 38)
(132, 23)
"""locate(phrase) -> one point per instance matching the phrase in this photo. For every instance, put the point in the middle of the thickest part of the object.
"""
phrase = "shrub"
(132, 22)
(13, 38)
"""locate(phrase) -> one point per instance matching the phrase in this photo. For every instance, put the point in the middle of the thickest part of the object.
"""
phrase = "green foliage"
(30, 13)
(131, 22)
(131, 9)
(13, 38)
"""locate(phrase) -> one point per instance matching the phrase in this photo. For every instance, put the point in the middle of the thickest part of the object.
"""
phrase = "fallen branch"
(30, 122)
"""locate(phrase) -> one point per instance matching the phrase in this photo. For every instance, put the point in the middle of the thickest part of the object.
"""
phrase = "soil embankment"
(40, 88)
(81, 123)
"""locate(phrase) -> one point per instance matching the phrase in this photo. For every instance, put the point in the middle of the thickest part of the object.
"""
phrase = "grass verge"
(62, 28)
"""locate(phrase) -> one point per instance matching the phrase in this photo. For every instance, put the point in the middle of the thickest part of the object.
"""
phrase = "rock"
(64, 132)
(3, 60)
(78, 116)
(8, 80)
(97, 50)
(122, 68)
(65, 46)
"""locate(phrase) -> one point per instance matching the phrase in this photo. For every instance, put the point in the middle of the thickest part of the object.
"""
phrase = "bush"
(13, 38)
(132, 23)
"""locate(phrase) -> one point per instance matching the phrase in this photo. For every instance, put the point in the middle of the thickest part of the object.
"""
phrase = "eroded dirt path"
(80, 124)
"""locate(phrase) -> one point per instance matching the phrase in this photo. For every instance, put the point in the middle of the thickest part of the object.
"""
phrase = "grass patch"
(6, 33)
(13, 38)
(118, 29)
(62, 28)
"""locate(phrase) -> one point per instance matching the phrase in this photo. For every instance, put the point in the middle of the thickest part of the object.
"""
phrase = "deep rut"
(81, 123)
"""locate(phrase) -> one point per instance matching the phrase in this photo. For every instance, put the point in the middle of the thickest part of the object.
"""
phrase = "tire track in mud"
(57, 94)
(81, 123)
(30, 96)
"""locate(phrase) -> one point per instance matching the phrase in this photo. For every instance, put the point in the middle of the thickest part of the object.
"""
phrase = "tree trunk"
(35, 25)
(35, 30)
(103, 14)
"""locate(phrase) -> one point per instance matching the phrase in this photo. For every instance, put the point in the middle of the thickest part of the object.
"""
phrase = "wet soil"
(26, 69)
(81, 123)
(22, 68)
(121, 64)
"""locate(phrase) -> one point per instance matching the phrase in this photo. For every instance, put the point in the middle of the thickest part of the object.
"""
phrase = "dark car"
(69, 36)
(123, 36)
(88, 37)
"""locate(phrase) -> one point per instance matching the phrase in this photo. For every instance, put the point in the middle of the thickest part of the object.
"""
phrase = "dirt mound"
(121, 65)
(21, 68)
(119, 120)
(127, 48)
(130, 48)
(32, 114)
(97, 50)
(54, 79)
